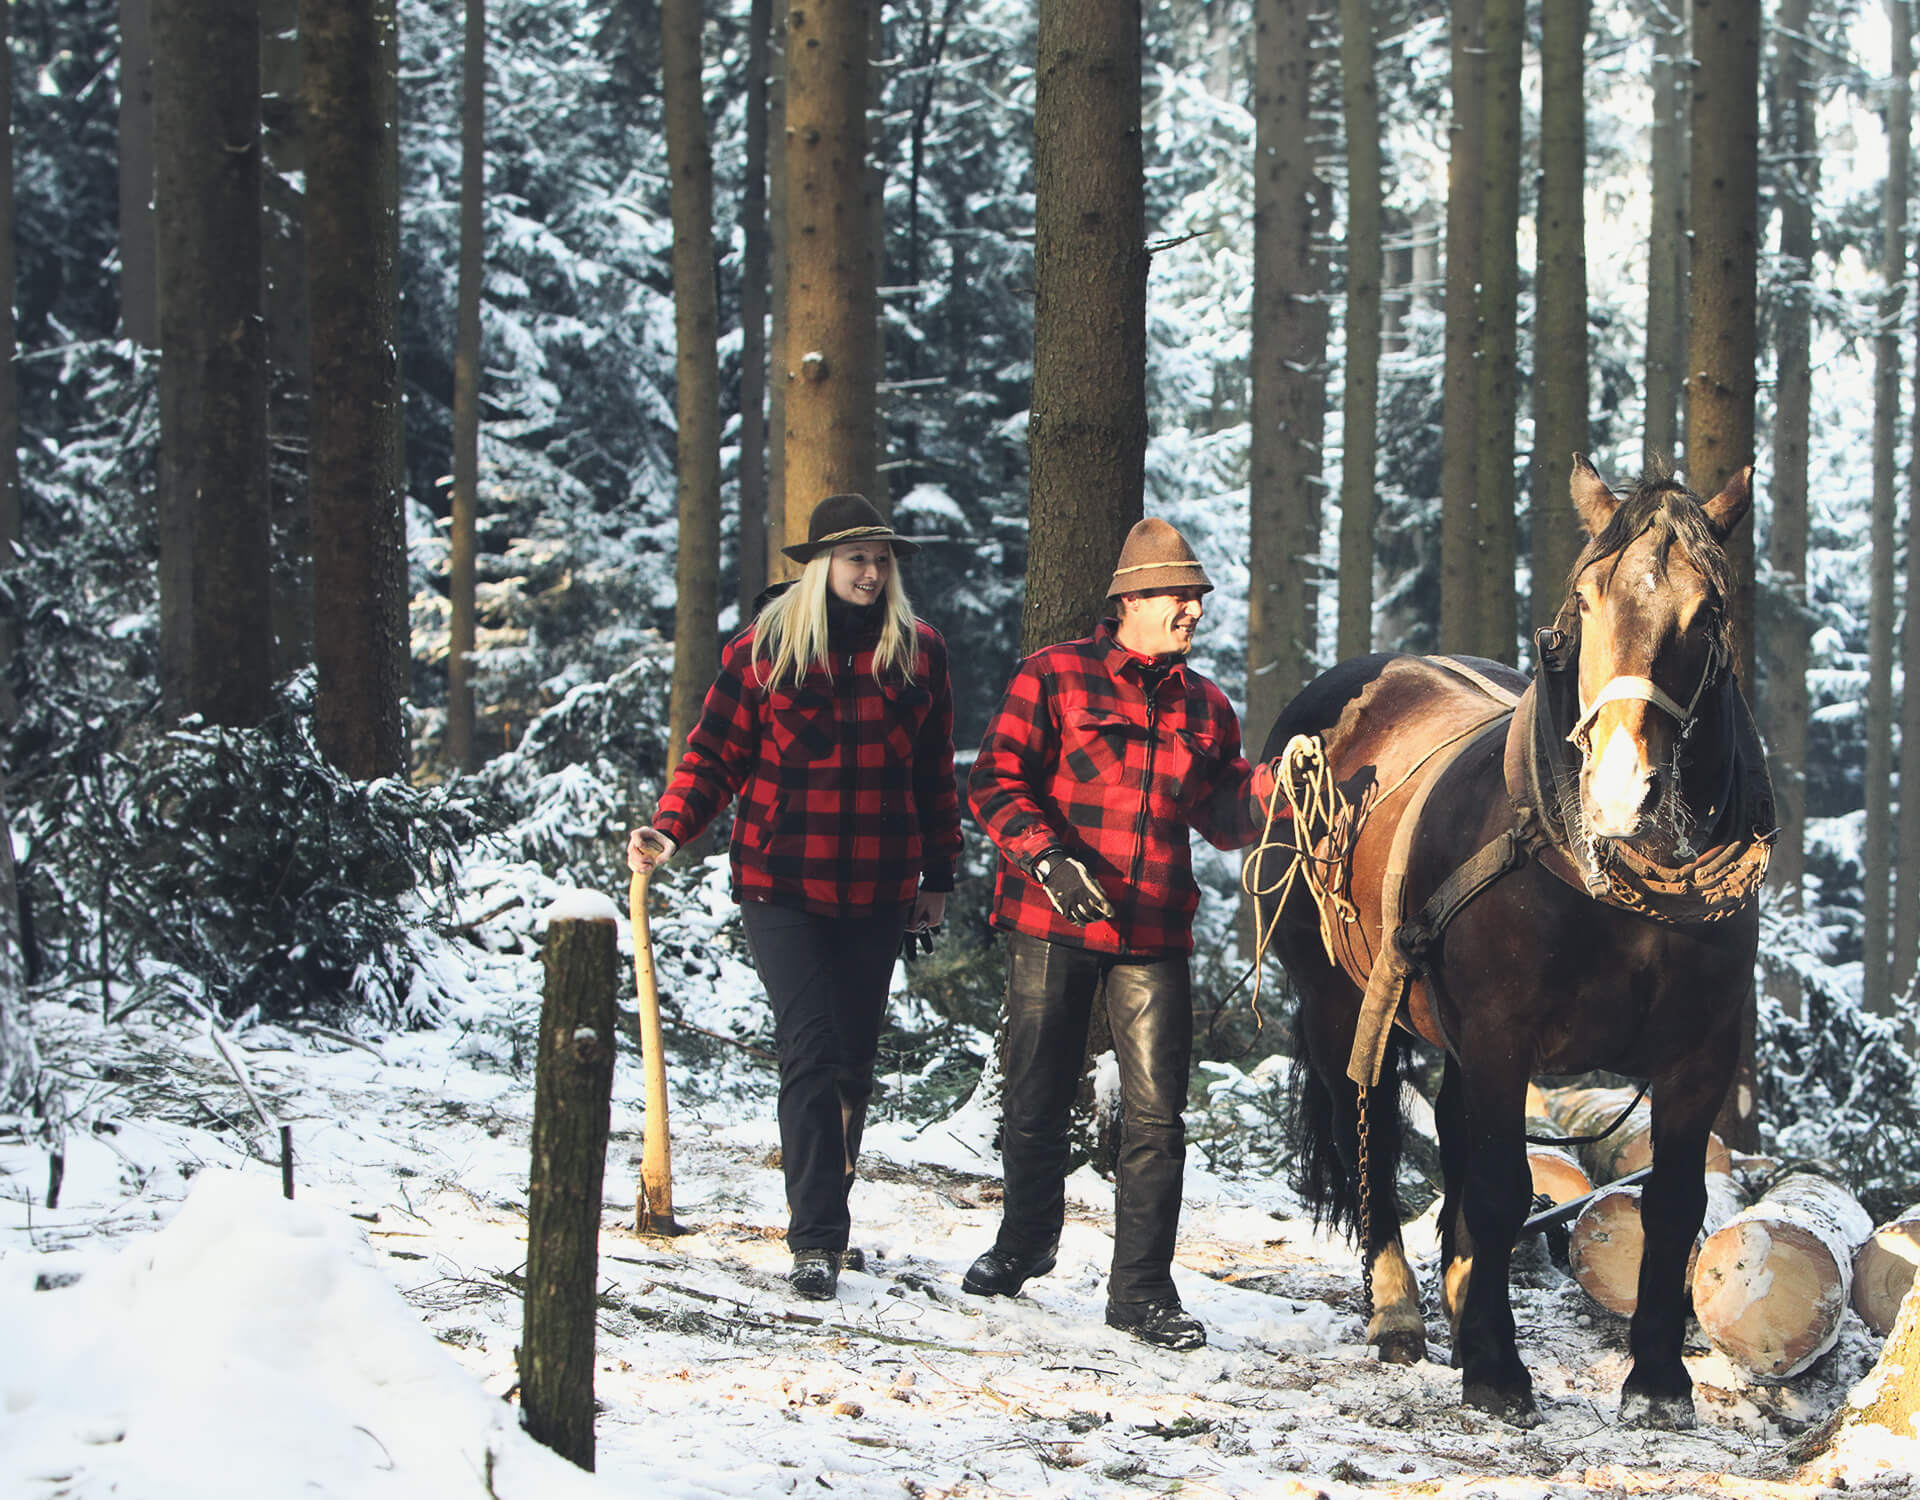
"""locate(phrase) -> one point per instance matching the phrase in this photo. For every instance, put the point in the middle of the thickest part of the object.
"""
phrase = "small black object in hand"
(922, 937)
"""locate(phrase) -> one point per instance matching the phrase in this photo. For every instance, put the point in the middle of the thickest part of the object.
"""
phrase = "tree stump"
(1883, 1270)
(1604, 1245)
(1771, 1284)
(572, 1093)
(1881, 1412)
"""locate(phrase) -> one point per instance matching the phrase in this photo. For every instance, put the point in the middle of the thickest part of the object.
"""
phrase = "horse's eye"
(1585, 603)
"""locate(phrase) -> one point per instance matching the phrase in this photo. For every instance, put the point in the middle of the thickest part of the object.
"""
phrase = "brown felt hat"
(846, 518)
(1156, 557)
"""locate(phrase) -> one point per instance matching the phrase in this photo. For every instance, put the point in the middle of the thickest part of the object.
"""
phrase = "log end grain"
(1883, 1269)
(1769, 1295)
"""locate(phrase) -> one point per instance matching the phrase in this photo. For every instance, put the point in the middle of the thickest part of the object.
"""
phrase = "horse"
(1540, 877)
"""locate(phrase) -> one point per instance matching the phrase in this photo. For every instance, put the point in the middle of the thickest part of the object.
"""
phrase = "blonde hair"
(791, 631)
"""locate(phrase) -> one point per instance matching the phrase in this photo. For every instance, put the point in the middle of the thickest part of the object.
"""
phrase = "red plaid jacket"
(1078, 757)
(846, 787)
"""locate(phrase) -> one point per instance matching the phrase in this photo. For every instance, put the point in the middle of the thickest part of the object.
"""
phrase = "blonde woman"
(832, 722)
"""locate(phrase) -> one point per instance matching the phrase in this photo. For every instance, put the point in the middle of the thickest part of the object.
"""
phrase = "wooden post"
(653, 1201)
(572, 1094)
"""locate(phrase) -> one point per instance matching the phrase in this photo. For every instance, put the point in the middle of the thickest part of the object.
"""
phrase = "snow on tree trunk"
(19, 1065)
(1876, 1431)
(1770, 1285)
(1883, 1270)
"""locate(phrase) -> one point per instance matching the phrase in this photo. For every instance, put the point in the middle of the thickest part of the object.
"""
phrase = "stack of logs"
(1781, 1252)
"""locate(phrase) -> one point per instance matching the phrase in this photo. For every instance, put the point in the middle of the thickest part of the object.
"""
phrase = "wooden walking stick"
(653, 1202)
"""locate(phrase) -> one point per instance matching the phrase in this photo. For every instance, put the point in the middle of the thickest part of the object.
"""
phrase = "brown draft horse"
(1542, 878)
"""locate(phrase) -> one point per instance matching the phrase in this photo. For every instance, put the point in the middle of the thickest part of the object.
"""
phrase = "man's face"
(1160, 623)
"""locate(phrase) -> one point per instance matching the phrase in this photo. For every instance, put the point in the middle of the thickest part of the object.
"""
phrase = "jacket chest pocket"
(1093, 744)
(905, 709)
(801, 724)
(1191, 762)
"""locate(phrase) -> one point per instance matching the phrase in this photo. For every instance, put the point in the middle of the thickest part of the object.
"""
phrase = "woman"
(832, 722)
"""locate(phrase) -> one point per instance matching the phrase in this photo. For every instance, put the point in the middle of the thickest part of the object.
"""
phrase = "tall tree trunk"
(1878, 833)
(1723, 345)
(1460, 387)
(1906, 896)
(11, 534)
(463, 544)
(1560, 298)
(1498, 365)
(1784, 628)
(1361, 406)
(139, 274)
(353, 466)
(1087, 433)
(289, 337)
(696, 644)
(216, 626)
(1667, 244)
(19, 1062)
(880, 490)
(752, 564)
(831, 301)
(777, 280)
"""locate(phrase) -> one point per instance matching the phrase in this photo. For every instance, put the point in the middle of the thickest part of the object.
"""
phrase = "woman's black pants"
(1050, 989)
(827, 978)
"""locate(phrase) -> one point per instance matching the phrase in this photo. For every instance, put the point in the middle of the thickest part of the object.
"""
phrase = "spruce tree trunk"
(10, 528)
(462, 559)
(572, 1093)
(1087, 433)
(1667, 243)
(1785, 627)
(753, 552)
(359, 563)
(216, 625)
(1288, 355)
(1460, 386)
(1360, 412)
(139, 270)
(778, 566)
(831, 297)
(1878, 834)
(1498, 365)
(19, 1062)
(696, 644)
(1560, 298)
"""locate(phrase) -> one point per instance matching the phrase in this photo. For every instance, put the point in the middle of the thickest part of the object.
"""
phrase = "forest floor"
(243, 1345)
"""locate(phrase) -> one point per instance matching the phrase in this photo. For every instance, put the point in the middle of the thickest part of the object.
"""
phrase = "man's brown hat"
(846, 518)
(1156, 557)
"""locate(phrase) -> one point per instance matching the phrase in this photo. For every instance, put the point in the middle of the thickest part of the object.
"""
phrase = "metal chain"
(1366, 1209)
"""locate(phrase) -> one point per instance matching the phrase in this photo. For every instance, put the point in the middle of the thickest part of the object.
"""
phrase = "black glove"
(920, 937)
(1075, 894)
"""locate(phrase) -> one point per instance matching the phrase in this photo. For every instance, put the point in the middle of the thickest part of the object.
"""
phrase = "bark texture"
(572, 1094)
(139, 270)
(1361, 406)
(353, 465)
(1087, 434)
(1667, 244)
(831, 296)
(1460, 387)
(216, 628)
(459, 746)
(754, 297)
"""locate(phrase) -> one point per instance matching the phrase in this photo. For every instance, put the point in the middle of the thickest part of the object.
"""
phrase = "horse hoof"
(1402, 1346)
(1668, 1413)
(1515, 1407)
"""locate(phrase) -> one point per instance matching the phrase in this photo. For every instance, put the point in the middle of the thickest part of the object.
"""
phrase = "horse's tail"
(1326, 1167)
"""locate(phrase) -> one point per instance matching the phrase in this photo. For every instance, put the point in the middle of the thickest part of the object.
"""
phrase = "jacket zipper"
(1137, 868)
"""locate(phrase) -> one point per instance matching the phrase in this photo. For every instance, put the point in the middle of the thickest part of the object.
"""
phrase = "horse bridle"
(1641, 689)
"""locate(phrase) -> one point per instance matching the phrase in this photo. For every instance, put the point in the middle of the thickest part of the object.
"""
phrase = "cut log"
(1883, 1270)
(1556, 1175)
(1603, 1247)
(1578, 1112)
(1771, 1284)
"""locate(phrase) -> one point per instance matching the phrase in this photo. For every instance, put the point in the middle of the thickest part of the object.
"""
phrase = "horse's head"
(1647, 603)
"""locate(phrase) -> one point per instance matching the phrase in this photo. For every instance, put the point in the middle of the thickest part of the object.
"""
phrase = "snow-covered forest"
(218, 929)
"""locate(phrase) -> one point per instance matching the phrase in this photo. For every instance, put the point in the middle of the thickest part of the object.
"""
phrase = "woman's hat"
(846, 518)
(1156, 556)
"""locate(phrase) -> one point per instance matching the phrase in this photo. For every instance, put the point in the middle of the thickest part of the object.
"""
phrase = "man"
(1102, 755)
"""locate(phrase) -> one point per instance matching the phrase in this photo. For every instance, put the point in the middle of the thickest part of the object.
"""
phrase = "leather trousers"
(1050, 990)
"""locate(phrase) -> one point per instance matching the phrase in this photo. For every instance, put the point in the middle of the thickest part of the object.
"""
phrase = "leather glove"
(917, 942)
(1075, 894)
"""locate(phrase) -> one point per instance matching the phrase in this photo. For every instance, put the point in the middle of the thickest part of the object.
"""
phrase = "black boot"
(815, 1274)
(1165, 1325)
(1001, 1273)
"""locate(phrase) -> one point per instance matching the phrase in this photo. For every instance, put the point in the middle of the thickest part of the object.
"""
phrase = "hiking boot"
(1000, 1273)
(1165, 1325)
(815, 1274)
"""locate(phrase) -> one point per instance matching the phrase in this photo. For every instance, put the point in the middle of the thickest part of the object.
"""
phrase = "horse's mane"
(1660, 501)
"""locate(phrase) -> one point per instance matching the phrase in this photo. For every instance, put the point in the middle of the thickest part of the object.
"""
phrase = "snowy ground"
(175, 1330)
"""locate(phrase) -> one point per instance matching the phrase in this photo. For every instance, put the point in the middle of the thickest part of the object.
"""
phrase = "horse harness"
(1536, 766)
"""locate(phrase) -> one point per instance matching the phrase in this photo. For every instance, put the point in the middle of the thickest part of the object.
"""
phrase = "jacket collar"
(1131, 665)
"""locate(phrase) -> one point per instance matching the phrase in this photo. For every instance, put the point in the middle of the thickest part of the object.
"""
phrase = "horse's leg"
(1497, 1192)
(1673, 1201)
(1456, 1242)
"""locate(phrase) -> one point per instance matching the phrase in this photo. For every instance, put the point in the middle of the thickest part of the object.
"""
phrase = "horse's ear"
(1729, 508)
(1591, 497)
